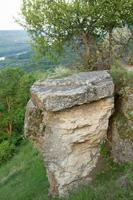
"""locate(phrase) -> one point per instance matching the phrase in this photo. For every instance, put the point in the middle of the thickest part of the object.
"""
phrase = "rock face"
(68, 120)
(122, 129)
(59, 94)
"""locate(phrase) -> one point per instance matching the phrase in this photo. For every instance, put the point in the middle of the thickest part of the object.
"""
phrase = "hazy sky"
(9, 10)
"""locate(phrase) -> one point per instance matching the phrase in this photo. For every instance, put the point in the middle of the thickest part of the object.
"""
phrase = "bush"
(60, 72)
(123, 81)
(130, 60)
(7, 150)
(119, 76)
(14, 95)
(122, 78)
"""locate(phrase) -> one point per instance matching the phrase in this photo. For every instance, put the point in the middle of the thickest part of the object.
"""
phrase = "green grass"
(24, 178)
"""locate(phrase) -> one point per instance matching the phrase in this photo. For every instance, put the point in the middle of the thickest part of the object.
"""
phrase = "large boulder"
(68, 120)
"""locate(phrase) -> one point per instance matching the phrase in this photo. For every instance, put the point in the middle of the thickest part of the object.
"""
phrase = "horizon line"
(12, 30)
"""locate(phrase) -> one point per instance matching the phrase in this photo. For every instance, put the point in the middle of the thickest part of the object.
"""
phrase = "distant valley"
(16, 51)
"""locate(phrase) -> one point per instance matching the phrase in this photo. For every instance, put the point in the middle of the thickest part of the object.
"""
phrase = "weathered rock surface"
(59, 94)
(122, 129)
(68, 120)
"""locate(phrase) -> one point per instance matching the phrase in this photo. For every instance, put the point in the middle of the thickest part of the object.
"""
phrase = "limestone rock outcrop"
(68, 120)
(59, 94)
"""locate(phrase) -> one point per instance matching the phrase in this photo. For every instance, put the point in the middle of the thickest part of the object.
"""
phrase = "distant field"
(16, 51)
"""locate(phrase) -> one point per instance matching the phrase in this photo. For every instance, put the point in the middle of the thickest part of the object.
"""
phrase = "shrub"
(7, 150)
(130, 60)
(14, 95)
(119, 76)
(60, 72)
(122, 78)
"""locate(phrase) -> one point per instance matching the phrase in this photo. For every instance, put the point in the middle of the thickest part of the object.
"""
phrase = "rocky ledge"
(68, 120)
(59, 94)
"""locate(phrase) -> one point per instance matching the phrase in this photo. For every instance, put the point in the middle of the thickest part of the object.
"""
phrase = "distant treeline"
(16, 49)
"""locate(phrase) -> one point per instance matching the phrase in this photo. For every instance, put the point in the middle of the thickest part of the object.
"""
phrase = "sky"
(9, 9)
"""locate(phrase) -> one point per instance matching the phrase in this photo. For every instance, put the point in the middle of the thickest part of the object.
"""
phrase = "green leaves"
(14, 94)
(112, 13)
(53, 24)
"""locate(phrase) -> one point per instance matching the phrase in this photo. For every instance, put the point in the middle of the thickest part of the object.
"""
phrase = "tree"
(52, 24)
(114, 14)
(14, 94)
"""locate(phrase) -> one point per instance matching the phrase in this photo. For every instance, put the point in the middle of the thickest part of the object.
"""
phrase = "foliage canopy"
(53, 24)
(14, 94)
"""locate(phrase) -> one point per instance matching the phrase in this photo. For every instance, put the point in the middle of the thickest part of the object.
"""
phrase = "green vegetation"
(123, 126)
(123, 79)
(123, 89)
(7, 150)
(83, 24)
(130, 60)
(60, 28)
(14, 95)
(24, 178)
(15, 51)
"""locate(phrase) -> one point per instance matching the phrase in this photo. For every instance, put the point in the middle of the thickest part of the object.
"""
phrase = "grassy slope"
(24, 178)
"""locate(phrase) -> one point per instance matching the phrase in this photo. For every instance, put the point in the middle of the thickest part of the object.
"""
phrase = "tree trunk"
(87, 43)
(9, 128)
(9, 125)
(110, 48)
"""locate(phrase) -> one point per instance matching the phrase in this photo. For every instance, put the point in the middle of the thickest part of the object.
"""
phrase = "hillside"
(13, 42)
(66, 100)
(24, 178)
(16, 51)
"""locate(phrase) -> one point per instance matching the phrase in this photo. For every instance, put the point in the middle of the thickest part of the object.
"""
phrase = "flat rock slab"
(59, 94)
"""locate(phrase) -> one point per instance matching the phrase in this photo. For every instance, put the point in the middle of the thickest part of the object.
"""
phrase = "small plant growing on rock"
(105, 149)
(130, 60)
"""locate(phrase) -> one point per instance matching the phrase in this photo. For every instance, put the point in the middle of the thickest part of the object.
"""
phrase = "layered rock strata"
(68, 120)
